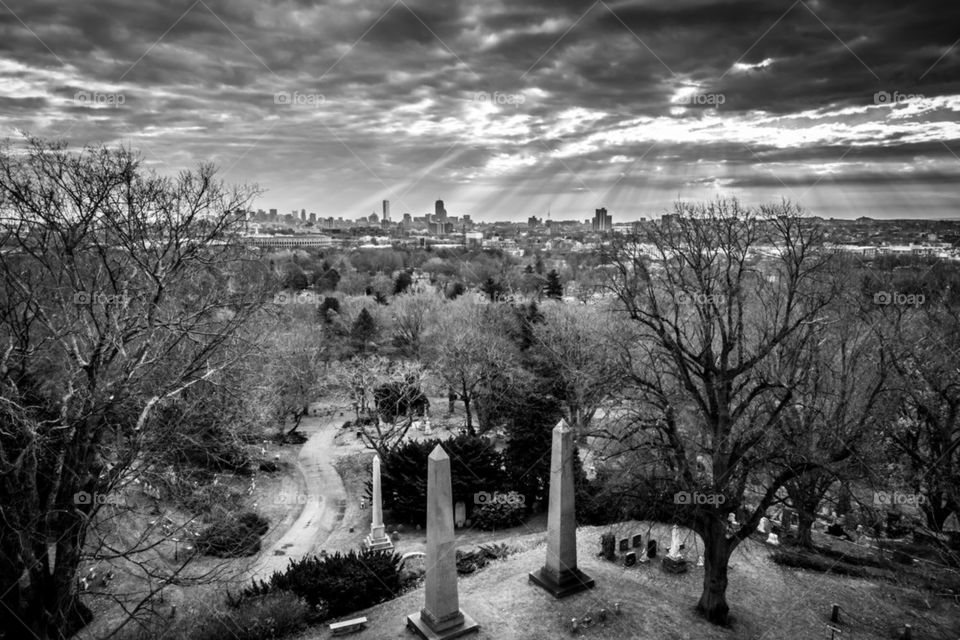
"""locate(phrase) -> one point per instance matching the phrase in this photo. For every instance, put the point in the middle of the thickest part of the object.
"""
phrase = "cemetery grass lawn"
(767, 602)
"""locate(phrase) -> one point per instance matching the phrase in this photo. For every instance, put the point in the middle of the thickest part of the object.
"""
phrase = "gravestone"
(441, 617)
(764, 526)
(459, 513)
(560, 575)
(608, 546)
(624, 545)
(773, 539)
(630, 559)
(377, 540)
(674, 561)
(637, 541)
(651, 548)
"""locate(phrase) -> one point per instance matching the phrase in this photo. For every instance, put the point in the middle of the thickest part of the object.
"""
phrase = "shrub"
(498, 515)
(209, 497)
(233, 536)
(338, 584)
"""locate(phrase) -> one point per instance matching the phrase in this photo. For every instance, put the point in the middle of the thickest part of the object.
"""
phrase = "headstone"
(699, 561)
(624, 545)
(608, 546)
(674, 551)
(764, 526)
(674, 561)
(651, 548)
(560, 575)
(637, 541)
(630, 559)
(441, 617)
(377, 539)
(732, 520)
(773, 539)
(459, 513)
(602, 614)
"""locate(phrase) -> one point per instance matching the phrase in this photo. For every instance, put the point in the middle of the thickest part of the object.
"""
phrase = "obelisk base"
(566, 584)
(462, 625)
(378, 544)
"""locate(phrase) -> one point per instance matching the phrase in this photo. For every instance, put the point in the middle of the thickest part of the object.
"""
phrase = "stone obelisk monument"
(441, 617)
(378, 538)
(560, 575)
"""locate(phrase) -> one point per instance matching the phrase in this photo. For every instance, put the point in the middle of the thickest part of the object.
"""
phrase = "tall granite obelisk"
(441, 617)
(378, 539)
(560, 575)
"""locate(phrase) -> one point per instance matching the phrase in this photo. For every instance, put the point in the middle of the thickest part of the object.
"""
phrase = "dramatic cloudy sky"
(507, 109)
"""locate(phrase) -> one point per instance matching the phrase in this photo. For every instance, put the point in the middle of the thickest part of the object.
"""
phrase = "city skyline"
(510, 110)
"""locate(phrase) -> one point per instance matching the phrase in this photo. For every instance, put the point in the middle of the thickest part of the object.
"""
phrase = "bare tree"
(120, 289)
(467, 349)
(714, 292)
(578, 349)
(413, 312)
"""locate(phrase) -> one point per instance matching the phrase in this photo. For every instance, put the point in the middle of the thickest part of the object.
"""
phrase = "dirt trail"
(323, 504)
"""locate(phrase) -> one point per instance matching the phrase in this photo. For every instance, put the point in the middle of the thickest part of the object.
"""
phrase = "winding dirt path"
(323, 504)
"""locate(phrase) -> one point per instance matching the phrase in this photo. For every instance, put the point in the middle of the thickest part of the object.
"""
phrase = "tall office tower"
(407, 219)
(313, 217)
(273, 214)
(303, 214)
(602, 221)
(440, 212)
(386, 210)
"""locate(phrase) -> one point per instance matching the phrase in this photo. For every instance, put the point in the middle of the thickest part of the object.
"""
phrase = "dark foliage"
(338, 583)
(233, 536)
(475, 466)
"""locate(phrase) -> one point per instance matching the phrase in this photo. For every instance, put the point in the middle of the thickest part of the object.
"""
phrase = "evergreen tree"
(554, 288)
(364, 330)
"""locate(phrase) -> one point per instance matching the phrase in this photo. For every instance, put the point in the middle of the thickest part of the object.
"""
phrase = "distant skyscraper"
(303, 214)
(602, 221)
(439, 211)
(407, 219)
(386, 210)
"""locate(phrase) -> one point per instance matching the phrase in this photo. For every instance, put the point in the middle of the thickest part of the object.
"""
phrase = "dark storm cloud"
(507, 92)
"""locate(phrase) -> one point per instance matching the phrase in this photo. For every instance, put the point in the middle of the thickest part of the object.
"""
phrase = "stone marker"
(608, 546)
(441, 617)
(624, 545)
(459, 513)
(674, 550)
(651, 548)
(630, 559)
(773, 539)
(674, 561)
(560, 575)
(764, 525)
(377, 539)
(637, 541)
